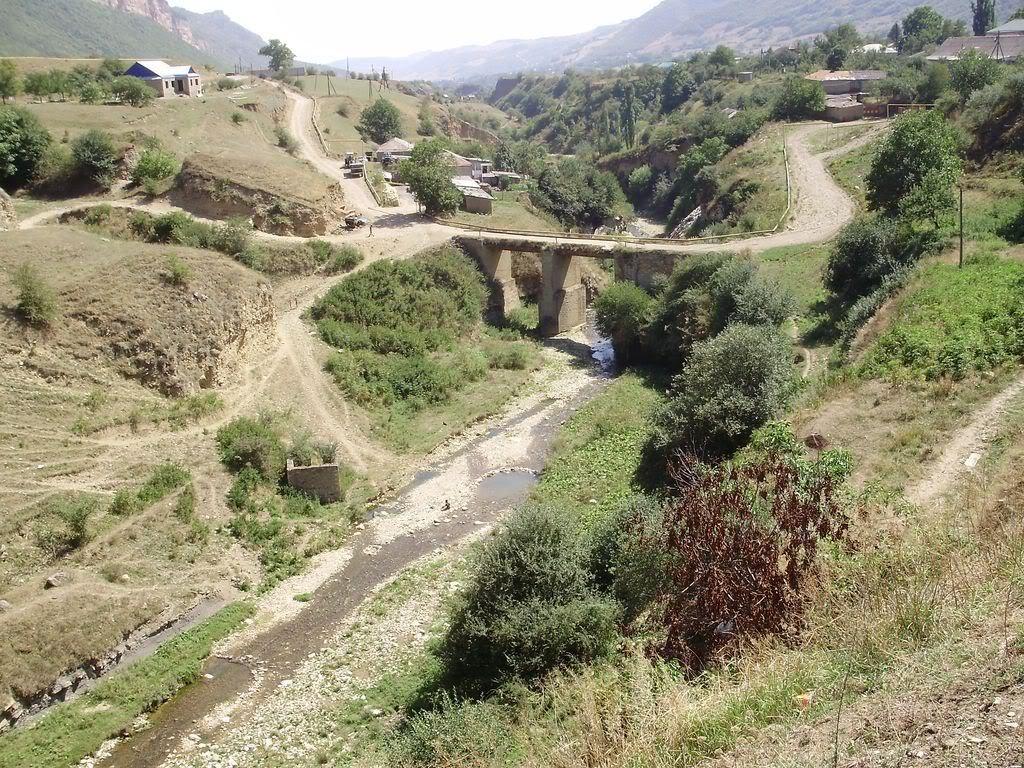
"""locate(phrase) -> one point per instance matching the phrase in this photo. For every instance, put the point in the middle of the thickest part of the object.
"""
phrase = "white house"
(167, 80)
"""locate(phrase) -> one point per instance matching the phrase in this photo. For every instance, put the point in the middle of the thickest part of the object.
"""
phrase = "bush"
(509, 357)
(72, 515)
(740, 543)
(155, 165)
(178, 272)
(252, 443)
(641, 180)
(730, 386)
(227, 84)
(343, 259)
(529, 607)
(285, 140)
(869, 251)
(23, 141)
(96, 157)
(238, 118)
(623, 313)
(37, 302)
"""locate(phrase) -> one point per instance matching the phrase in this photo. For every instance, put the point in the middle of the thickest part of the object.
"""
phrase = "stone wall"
(8, 219)
(322, 481)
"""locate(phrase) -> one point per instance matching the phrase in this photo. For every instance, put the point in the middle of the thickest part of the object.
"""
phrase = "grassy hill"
(85, 28)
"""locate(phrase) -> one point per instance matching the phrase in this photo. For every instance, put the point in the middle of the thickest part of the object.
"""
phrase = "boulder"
(5, 606)
(55, 580)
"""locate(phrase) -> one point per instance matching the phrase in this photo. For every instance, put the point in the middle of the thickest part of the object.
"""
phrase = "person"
(371, 229)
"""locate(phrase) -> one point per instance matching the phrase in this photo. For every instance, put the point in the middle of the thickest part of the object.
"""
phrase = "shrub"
(623, 312)
(285, 140)
(163, 480)
(96, 157)
(155, 165)
(178, 272)
(124, 503)
(71, 532)
(741, 542)
(640, 182)
(252, 443)
(226, 84)
(529, 607)
(37, 302)
(971, 71)
(237, 118)
(56, 170)
(869, 251)
(23, 141)
(343, 259)
(509, 357)
(730, 386)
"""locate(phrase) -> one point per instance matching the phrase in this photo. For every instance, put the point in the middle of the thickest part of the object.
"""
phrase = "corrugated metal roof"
(1001, 47)
(163, 69)
(1012, 27)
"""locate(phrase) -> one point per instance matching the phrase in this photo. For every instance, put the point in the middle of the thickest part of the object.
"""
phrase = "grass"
(515, 213)
(752, 184)
(598, 451)
(850, 171)
(75, 730)
(932, 336)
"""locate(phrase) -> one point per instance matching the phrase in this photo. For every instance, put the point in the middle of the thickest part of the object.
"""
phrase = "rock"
(58, 579)
(816, 442)
(5, 606)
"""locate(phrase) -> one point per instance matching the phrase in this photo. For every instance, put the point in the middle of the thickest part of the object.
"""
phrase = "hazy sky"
(326, 30)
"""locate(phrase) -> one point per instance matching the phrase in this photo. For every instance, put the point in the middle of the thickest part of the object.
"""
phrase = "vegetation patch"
(410, 337)
(76, 730)
(933, 336)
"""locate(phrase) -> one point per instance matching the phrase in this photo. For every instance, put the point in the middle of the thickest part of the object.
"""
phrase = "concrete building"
(845, 81)
(843, 109)
(167, 80)
(480, 166)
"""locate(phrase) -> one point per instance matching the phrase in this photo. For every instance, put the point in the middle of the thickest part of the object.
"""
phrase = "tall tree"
(428, 172)
(983, 16)
(280, 55)
(630, 111)
(9, 82)
(895, 33)
(380, 122)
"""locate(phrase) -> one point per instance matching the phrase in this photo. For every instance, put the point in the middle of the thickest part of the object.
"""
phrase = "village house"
(461, 166)
(396, 149)
(475, 199)
(167, 80)
(843, 109)
(846, 82)
(1003, 43)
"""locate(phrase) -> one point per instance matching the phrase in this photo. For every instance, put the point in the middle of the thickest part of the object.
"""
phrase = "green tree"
(280, 55)
(426, 126)
(971, 72)
(428, 172)
(380, 122)
(504, 157)
(629, 112)
(920, 143)
(722, 57)
(60, 83)
(96, 157)
(895, 33)
(677, 88)
(936, 82)
(23, 142)
(623, 311)
(10, 84)
(925, 26)
(131, 90)
(836, 58)
(799, 99)
(38, 84)
(983, 16)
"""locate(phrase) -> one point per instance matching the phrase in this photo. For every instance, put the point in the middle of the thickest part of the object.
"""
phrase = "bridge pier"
(563, 299)
(496, 264)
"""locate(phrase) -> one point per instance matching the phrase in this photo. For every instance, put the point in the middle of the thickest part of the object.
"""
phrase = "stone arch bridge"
(563, 298)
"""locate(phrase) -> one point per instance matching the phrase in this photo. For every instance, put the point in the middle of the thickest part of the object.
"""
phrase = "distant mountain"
(671, 29)
(84, 28)
(228, 41)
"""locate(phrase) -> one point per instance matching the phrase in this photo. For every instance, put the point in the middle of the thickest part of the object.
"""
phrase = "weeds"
(178, 273)
(70, 530)
(36, 302)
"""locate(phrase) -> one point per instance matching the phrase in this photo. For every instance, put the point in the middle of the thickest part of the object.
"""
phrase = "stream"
(502, 465)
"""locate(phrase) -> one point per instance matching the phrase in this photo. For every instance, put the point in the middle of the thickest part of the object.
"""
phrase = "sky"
(326, 30)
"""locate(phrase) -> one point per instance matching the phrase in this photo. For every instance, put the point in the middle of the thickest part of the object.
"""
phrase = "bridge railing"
(626, 240)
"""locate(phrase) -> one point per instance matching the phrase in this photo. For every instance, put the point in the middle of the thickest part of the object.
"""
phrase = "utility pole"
(961, 226)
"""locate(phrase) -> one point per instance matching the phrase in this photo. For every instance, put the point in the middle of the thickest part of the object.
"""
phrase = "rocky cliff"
(159, 11)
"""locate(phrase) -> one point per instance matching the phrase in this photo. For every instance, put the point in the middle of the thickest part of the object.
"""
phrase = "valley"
(697, 445)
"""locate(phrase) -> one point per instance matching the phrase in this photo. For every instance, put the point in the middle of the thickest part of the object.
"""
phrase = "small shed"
(746, 77)
(477, 201)
(843, 109)
(845, 81)
(396, 148)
